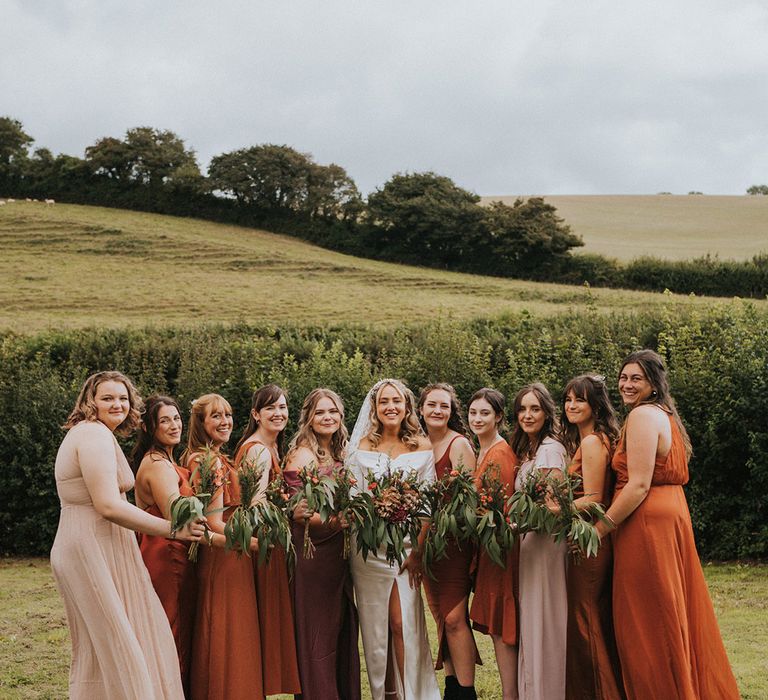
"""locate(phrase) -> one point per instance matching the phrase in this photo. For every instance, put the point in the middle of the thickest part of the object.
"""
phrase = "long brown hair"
(456, 420)
(85, 405)
(653, 368)
(264, 396)
(591, 389)
(305, 436)
(410, 429)
(146, 442)
(523, 447)
(498, 403)
(197, 438)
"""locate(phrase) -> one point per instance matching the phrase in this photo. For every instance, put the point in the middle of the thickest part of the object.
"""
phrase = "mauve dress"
(453, 576)
(666, 630)
(543, 597)
(174, 579)
(122, 645)
(324, 612)
(494, 605)
(592, 664)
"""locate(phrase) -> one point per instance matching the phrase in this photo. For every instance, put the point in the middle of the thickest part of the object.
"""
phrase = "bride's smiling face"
(390, 407)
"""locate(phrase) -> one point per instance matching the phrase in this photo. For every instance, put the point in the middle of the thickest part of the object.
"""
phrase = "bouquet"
(270, 522)
(350, 509)
(205, 479)
(318, 491)
(394, 509)
(238, 529)
(495, 531)
(576, 524)
(527, 508)
(453, 502)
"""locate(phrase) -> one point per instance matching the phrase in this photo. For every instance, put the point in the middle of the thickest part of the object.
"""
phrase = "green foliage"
(758, 189)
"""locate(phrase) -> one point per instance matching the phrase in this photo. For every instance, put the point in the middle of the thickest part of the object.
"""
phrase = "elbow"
(108, 511)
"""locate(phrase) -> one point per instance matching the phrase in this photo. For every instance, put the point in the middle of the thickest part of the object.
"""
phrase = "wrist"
(171, 531)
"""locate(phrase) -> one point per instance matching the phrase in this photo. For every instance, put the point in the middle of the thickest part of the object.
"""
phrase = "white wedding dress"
(373, 580)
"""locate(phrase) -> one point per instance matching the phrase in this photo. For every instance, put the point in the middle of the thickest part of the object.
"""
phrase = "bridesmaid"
(543, 590)
(227, 618)
(589, 431)
(675, 651)
(448, 593)
(261, 444)
(159, 481)
(494, 606)
(122, 645)
(324, 607)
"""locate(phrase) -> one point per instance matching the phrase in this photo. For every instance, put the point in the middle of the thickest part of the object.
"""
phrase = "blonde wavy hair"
(85, 406)
(197, 438)
(410, 429)
(305, 436)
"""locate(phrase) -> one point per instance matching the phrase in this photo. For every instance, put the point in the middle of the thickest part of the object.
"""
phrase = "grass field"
(72, 266)
(34, 641)
(675, 227)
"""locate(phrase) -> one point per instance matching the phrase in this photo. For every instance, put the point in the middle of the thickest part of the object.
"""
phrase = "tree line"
(417, 218)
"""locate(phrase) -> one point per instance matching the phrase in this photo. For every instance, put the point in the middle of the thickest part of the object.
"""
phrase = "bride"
(387, 436)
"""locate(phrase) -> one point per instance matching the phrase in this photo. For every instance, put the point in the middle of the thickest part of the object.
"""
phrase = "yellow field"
(72, 266)
(675, 227)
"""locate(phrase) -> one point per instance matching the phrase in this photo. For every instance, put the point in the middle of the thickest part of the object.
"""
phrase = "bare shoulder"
(424, 443)
(299, 458)
(646, 415)
(593, 443)
(365, 443)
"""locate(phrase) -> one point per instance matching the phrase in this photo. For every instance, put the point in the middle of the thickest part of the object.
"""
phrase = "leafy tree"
(156, 155)
(758, 189)
(332, 194)
(110, 157)
(425, 217)
(527, 238)
(14, 152)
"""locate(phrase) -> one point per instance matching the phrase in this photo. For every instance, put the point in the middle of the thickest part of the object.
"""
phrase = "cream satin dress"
(373, 580)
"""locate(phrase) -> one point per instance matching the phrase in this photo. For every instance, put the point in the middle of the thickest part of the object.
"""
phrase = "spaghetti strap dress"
(374, 579)
(122, 645)
(592, 663)
(278, 640)
(324, 611)
(543, 597)
(226, 650)
(494, 605)
(453, 576)
(666, 631)
(175, 580)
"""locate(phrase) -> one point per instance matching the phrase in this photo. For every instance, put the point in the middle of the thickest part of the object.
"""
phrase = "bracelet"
(611, 521)
(208, 537)
(172, 534)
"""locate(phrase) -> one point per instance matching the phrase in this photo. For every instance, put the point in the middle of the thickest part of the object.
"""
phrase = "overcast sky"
(511, 97)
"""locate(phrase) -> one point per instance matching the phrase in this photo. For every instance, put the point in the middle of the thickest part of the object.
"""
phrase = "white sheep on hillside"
(50, 202)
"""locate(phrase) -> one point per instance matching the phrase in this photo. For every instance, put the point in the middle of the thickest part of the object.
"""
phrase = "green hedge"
(718, 364)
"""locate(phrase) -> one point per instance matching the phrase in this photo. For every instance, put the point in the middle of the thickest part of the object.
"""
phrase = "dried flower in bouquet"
(238, 529)
(271, 525)
(453, 502)
(317, 490)
(395, 509)
(527, 508)
(495, 533)
(205, 479)
(576, 525)
(351, 510)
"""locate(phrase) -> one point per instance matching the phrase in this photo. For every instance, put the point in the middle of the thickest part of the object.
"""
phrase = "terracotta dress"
(325, 613)
(175, 581)
(543, 597)
(122, 646)
(592, 664)
(278, 642)
(453, 576)
(226, 649)
(666, 630)
(494, 606)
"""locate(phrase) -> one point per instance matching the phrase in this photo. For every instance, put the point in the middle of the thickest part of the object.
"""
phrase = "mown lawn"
(72, 266)
(34, 641)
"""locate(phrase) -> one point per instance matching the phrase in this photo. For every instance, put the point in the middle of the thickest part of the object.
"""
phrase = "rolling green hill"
(69, 266)
(675, 227)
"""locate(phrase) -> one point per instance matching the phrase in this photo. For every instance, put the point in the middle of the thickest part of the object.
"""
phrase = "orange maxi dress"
(175, 581)
(278, 641)
(453, 576)
(592, 664)
(666, 630)
(226, 649)
(494, 606)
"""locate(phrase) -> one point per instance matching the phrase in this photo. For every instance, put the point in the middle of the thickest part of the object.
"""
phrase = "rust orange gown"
(494, 606)
(174, 580)
(453, 576)
(666, 630)
(226, 649)
(592, 664)
(278, 641)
